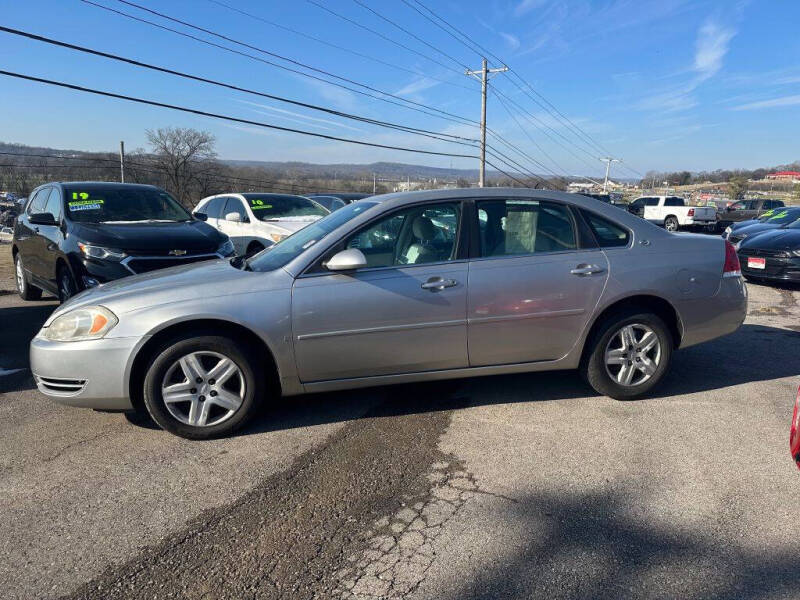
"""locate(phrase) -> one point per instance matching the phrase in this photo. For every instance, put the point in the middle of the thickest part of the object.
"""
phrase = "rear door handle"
(435, 284)
(584, 270)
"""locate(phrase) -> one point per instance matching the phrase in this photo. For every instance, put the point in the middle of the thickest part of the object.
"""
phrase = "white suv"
(256, 221)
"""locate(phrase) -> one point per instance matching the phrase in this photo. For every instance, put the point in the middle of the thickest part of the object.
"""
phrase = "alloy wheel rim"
(20, 276)
(633, 355)
(203, 389)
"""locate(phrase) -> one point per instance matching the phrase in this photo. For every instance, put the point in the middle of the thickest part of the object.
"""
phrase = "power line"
(336, 46)
(379, 34)
(226, 117)
(534, 142)
(403, 102)
(396, 126)
(411, 33)
(550, 108)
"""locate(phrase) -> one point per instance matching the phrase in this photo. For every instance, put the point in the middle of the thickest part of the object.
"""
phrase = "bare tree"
(184, 156)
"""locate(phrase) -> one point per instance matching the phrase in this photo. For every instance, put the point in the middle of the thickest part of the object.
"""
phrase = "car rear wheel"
(671, 224)
(24, 288)
(202, 387)
(630, 354)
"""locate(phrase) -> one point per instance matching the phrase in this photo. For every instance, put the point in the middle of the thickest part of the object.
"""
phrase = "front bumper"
(776, 268)
(90, 374)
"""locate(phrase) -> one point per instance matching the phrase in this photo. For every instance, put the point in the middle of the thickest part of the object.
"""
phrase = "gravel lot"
(515, 486)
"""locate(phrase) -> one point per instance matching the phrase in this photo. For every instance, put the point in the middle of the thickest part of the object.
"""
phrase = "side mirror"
(200, 216)
(43, 219)
(347, 260)
(233, 217)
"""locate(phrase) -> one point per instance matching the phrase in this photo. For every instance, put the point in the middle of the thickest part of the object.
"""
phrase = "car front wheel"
(202, 387)
(630, 354)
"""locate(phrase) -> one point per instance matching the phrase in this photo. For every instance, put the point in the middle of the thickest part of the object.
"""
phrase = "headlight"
(277, 237)
(100, 253)
(226, 248)
(728, 230)
(88, 323)
(796, 251)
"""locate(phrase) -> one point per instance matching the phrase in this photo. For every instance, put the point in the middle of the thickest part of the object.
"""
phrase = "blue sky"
(666, 85)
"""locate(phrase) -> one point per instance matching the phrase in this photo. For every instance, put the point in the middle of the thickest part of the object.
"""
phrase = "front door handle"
(435, 284)
(583, 270)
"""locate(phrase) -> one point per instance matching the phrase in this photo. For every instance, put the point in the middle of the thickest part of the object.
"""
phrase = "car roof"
(103, 184)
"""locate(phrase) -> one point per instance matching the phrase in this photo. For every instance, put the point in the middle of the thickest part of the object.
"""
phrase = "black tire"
(671, 223)
(25, 290)
(593, 367)
(165, 357)
(67, 287)
(253, 248)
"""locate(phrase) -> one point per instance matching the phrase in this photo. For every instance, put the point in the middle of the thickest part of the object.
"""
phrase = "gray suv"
(404, 287)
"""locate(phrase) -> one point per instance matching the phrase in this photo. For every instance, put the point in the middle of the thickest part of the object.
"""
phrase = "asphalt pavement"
(515, 486)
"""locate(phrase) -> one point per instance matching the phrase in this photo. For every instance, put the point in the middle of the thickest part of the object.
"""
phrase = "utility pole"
(608, 160)
(122, 162)
(483, 76)
(374, 184)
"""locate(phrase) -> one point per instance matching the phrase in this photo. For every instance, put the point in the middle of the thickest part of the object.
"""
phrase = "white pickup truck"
(673, 213)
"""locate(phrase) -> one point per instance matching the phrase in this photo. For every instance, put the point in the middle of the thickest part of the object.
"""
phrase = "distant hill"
(381, 169)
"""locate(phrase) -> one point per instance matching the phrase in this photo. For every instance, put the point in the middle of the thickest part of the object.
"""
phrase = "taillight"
(794, 432)
(691, 212)
(732, 267)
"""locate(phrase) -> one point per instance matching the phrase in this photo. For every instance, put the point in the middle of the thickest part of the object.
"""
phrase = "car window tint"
(213, 208)
(607, 234)
(417, 235)
(234, 205)
(672, 201)
(53, 205)
(515, 227)
(39, 200)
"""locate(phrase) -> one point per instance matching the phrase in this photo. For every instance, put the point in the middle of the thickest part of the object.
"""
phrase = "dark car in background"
(769, 220)
(72, 236)
(772, 255)
(744, 210)
(335, 200)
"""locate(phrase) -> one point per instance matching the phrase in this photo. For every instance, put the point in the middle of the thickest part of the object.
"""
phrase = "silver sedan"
(397, 288)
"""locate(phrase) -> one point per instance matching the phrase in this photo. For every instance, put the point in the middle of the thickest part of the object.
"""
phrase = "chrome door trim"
(543, 314)
(384, 329)
(535, 254)
(388, 268)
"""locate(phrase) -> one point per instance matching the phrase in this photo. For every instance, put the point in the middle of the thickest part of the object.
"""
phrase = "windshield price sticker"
(256, 204)
(780, 215)
(84, 203)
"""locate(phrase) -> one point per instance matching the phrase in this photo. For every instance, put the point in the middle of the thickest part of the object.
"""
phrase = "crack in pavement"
(289, 536)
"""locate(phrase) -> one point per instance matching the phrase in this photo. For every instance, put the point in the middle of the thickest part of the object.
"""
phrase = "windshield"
(94, 204)
(284, 251)
(783, 216)
(267, 207)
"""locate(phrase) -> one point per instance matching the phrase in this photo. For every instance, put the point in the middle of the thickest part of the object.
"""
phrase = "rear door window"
(607, 234)
(519, 227)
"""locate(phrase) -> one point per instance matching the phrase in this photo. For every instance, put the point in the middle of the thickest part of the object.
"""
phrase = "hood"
(741, 224)
(193, 236)
(755, 228)
(774, 239)
(201, 279)
(291, 224)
